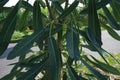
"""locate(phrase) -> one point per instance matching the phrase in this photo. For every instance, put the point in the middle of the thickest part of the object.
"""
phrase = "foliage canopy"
(60, 32)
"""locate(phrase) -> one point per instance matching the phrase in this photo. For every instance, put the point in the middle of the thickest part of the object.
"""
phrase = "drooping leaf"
(99, 5)
(58, 6)
(55, 58)
(118, 1)
(115, 9)
(10, 76)
(3, 2)
(24, 45)
(113, 33)
(97, 74)
(113, 23)
(103, 66)
(8, 29)
(37, 21)
(27, 5)
(68, 10)
(37, 17)
(72, 44)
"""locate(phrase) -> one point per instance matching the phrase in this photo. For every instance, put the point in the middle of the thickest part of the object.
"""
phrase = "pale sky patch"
(14, 2)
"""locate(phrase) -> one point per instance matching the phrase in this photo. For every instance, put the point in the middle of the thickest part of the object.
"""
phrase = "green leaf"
(71, 74)
(22, 26)
(58, 6)
(64, 76)
(68, 10)
(7, 9)
(93, 31)
(37, 21)
(24, 45)
(33, 72)
(55, 58)
(97, 74)
(37, 17)
(115, 9)
(99, 5)
(114, 34)
(8, 29)
(27, 5)
(10, 76)
(118, 1)
(105, 67)
(113, 23)
(3, 2)
(72, 39)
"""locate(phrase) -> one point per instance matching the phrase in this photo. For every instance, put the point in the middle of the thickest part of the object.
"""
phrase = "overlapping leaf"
(113, 23)
(58, 6)
(10, 76)
(69, 10)
(73, 75)
(99, 5)
(105, 67)
(97, 74)
(3, 2)
(8, 29)
(23, 46)
(115, 10)
(113, 33)
(32, 73)
(27, 5)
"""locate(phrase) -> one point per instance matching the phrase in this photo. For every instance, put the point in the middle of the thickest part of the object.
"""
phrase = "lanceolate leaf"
(55, 59)
(118, 1)
(97, 74)
(115, 9)
(3, 2)
(71, 74)
(23, 20)
(69, 10)
(23, 46)
(72, 39)
(58, 6)
(10, 76)
(113, 33)
(99, 5)
(32, 72)
(113, 23)
(37, 21)
(27, 5)
(37, 17)
(8, 29)
(93, 31)
(105, 67)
